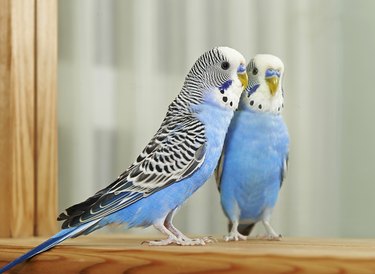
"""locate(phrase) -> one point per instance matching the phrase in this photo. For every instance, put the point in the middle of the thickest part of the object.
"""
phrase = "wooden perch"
(126, 254)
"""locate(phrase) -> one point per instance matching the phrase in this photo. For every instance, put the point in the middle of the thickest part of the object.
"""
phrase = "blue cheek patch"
(225, 85)
(251, 89)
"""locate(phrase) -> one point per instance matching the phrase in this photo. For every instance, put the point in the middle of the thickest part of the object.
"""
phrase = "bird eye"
(255, 71)
(225, 65)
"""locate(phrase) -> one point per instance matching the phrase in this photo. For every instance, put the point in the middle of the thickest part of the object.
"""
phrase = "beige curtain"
(122, 62)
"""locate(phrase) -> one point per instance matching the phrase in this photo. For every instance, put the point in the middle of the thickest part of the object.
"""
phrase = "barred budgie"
(255, 155)
(180, 157)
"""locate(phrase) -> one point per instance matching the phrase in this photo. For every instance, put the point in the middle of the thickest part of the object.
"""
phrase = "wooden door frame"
(28, 123)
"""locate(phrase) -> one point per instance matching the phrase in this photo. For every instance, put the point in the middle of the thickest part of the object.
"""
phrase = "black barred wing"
(174, 153)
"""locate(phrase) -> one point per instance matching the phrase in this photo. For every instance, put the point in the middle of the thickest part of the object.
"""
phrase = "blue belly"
(255, 150)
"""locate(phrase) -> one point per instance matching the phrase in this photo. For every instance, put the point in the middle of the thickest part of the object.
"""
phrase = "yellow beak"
(242, 76)
(273, 84)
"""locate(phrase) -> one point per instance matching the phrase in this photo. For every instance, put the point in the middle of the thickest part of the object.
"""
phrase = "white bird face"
(264, 92)
(225, 78)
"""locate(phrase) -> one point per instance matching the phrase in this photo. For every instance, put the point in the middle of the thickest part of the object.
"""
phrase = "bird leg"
(270, 232)
(234, 235)
(270, 235)
(188, 241)
(165, 226)
(172, 239)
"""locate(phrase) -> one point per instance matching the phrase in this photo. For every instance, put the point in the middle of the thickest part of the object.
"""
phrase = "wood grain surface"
(126, 254)
(17, 101)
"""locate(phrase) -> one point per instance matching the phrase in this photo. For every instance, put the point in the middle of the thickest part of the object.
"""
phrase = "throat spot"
(227, 101)
(260, 105)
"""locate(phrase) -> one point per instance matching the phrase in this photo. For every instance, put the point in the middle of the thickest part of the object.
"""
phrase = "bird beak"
(272, 80)
(242, 76)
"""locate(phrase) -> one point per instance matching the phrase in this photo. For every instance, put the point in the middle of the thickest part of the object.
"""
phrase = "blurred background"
(121, 63)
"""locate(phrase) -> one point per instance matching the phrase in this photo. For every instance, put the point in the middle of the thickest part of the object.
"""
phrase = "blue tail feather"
(48, 244)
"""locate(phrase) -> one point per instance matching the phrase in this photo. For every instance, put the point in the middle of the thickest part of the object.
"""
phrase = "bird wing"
(219, 170)
(174, 153)
(283, 170)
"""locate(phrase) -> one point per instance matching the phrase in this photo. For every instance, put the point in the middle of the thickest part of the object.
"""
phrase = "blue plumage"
(252, 89)
(146, 211)
(178, 160)
(254, 157)
(255, 153)
(225, 85)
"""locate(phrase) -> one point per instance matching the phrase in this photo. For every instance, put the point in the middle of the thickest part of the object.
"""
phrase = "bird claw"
(269, 237)
(203, 241)
(163, 242)
(160, 242)
(235, 236)
(196, 241)
(181, 241)
(209, 239)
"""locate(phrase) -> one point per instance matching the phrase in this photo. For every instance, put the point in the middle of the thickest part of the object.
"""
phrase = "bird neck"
(215, 118)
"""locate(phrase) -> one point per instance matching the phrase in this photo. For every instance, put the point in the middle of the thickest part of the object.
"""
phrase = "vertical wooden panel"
(17, 117)
(5, 117)
(46, 125)
(28, 130)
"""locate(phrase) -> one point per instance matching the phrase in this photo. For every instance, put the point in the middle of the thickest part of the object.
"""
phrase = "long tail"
(51, 242)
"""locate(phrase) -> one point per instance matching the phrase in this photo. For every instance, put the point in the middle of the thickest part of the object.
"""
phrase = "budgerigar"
(255, 155)
(180, 157)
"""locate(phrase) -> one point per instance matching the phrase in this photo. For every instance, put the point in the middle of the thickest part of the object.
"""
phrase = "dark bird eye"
(255, 71)
(225, 65)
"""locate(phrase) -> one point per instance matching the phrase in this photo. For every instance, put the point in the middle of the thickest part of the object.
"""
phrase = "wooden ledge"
(125, 254)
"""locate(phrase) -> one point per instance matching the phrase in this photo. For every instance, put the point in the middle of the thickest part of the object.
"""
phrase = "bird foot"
(196, 241)
(210, 239)
(269, 237)
(204, 240)
(164, 242)
(235, 236)
(181, 241)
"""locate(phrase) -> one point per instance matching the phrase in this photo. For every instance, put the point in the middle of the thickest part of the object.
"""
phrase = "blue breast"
(255, 150)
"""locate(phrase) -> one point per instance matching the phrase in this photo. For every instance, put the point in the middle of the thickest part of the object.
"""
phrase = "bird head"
(219, 76)
(264, 92)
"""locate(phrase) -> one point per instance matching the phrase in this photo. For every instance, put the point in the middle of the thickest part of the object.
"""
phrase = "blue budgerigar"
(255, 155)
(180, 157)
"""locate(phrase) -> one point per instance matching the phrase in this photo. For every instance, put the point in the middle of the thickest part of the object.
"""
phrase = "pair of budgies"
(186, 149)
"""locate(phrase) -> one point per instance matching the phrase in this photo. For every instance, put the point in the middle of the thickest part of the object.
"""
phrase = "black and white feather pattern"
(175, 152)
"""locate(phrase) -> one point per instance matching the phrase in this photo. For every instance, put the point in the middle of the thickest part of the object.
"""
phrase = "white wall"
(357, 187)
(122, 62)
